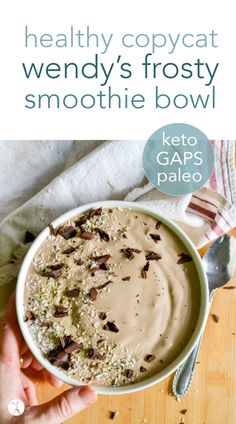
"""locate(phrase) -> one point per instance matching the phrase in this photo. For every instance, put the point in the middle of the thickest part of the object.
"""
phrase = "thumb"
(62, 407)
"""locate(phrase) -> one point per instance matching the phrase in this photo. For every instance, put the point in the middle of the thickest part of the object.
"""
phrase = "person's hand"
(16, 365)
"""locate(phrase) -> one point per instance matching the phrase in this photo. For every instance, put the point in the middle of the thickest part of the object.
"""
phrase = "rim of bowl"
(203, 301)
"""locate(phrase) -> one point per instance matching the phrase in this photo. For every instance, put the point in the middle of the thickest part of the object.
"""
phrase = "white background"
(119, 17)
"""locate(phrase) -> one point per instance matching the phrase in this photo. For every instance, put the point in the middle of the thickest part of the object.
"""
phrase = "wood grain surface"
(212, 397)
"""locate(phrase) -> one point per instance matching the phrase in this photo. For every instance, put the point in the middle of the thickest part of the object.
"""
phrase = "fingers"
(10, 336)
(63, 407)
(31, 396)
(55, 382)
(29, 389)
(23, 347)
(36, 365)
(28, 360)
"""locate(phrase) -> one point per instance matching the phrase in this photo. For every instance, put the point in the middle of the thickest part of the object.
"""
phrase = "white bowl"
(176, 362)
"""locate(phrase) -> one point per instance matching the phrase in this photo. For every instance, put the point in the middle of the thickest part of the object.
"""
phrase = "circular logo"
(16, 407)
(178, 159)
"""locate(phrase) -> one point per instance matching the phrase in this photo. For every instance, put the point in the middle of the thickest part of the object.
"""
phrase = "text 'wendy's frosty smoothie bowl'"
(112, 297)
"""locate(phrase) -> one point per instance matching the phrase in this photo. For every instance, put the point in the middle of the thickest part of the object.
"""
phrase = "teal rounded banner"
(178, 159)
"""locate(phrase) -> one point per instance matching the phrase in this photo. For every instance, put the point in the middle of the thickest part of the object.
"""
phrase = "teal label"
(178, 159)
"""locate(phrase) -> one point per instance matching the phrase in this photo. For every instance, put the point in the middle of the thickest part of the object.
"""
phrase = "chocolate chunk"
(129, 373)
(229, 288)
(104, 267)
(69, 250)
(67, 232)
(94, 212)
(94, 269)
(184, 257)
(93, 353)
(68, 345)
(29, 315)
(105, 284)
(129, 252)
(29, 237)
(102, 315)
(45, 324)
(142, 369)
(144, 274)
(61, 311)
(81, 221)
(124, 236)
(56, 267)
(183, 411)
(135, 250)
(126, 278)
(93, 293)
(61, 360)
(87, 235)
(53, 273)
(153, 256)
(54, 353)
(65, 340)
(113, 414)
(78, 261)
(215, 317)
(65, 365)
(72, 346)
(101, 259)
(158, 224)
(53, 231)
(100, 341)
(155, 237)
(73, 293)
(144, 271)
(149, 358)
(103, 235)
(146, 267)
(110, 326)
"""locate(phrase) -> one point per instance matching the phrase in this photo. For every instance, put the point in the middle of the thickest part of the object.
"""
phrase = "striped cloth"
(222, 179)
(207, 213)
(215, 201)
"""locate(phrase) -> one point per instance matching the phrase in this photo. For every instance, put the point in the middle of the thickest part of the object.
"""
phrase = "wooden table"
(212, 397)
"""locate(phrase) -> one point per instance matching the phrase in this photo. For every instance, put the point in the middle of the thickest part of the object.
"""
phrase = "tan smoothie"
(112, 297)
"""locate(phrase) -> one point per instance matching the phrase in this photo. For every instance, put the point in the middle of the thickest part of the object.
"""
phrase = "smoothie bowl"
(112, 294)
